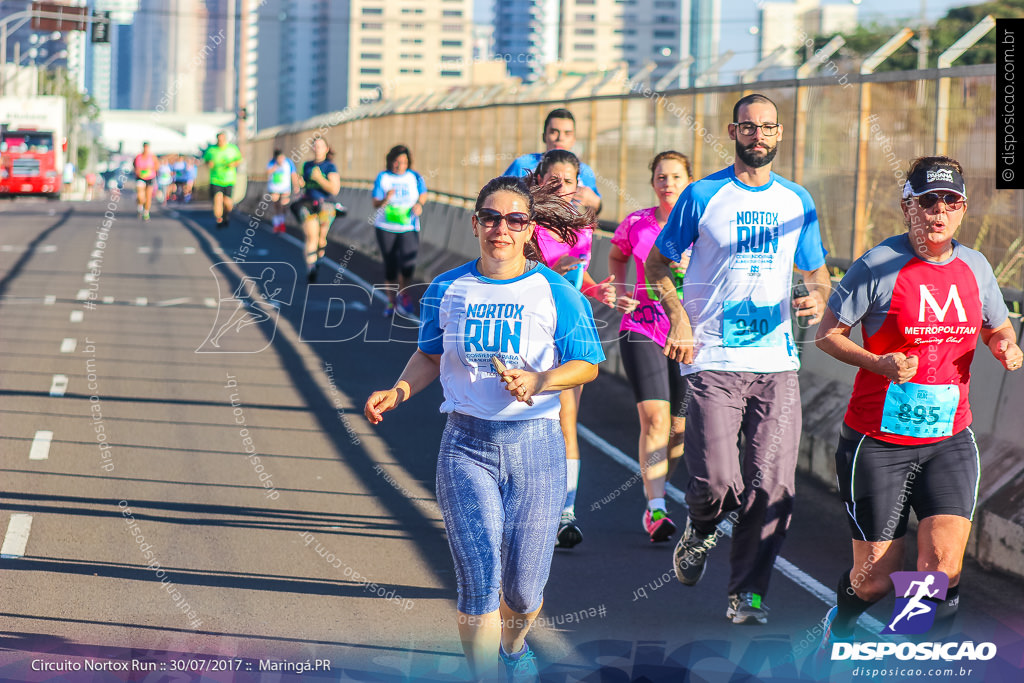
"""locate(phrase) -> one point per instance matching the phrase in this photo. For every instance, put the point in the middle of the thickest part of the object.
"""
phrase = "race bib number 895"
(921, 410)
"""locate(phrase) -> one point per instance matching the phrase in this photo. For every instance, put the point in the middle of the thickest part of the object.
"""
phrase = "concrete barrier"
(997, 539)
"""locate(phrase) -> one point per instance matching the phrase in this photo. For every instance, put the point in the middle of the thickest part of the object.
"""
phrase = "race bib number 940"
(921, 410)
(749, 323)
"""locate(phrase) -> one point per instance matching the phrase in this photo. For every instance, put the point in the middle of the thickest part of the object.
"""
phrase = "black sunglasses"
(516, 221)
(952, 200)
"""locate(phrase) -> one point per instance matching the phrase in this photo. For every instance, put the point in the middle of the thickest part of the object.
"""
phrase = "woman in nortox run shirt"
(922, 300)
(501, 467)
(561, 169)
(660, 389)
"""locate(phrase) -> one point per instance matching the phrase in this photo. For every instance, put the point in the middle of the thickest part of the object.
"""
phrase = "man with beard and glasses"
(733, 336)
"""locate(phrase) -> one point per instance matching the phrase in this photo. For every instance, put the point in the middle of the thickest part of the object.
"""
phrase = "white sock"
(572, 478)
(656, 504)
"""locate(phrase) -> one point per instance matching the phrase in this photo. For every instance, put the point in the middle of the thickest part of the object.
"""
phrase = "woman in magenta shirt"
(571, 261)
(661, 392)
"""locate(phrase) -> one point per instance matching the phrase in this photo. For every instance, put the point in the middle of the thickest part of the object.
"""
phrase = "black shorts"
(307, 206)
(144, 181)
(399, 251)
(225, 190)
(880, 482)
(654, 376)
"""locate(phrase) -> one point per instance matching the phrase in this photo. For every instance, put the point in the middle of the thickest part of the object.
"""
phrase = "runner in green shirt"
(222, 159)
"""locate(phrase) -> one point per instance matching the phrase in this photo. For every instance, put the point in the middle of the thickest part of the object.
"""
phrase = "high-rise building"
(598, 35)
(318, 56)
(783, 23)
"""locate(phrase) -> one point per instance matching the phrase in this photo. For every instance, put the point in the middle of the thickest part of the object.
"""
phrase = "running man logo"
(940, 311)
(253, 306)
(914, 612)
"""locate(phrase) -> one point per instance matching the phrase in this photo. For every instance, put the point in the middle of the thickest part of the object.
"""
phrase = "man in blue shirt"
(560, 133)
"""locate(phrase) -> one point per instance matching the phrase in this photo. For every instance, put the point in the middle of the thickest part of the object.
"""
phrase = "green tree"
(943, 33)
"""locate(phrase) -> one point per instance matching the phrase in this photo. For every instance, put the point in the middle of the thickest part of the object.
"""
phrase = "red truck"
(32, 146)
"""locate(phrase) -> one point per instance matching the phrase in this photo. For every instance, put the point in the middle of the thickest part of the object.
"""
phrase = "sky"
(740, 15)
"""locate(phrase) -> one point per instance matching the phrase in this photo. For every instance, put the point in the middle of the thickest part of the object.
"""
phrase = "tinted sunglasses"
(516, 221)
(952, 200)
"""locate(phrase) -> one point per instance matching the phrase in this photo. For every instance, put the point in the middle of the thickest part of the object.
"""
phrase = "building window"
(664, 19)
(412, 10)
(412, 27)
(451, 43)
(583, 47)
(372, 27)
(411, 55)
(412, 41)
(411, 71)
(664, 4)
(584, 18)
(373, 10)
(372, 40)
(369, 72)
(665, 34)
(451, 74)
(369, 86)
(585, 32)
(453, 13)
(370, 55)
(451, 28)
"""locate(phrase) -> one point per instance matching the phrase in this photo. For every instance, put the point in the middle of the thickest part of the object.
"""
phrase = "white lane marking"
(68, 345)
(7, 247)
(17, 536)
(190, 250)
(141, 301)
(48, 248)
(174, 302)
(145, 250)
(108, 299)
(787, 568)
(76, 316)
(210, 302)
(82, 295)
(49, 300)
(59, 385)
(40, 445)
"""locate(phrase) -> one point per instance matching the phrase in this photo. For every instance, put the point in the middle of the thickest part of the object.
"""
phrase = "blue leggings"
(500, 486)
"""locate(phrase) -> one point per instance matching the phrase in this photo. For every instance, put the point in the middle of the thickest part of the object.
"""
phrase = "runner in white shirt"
(398, 195)
(501, 467)
(748, 227)
(282, 180)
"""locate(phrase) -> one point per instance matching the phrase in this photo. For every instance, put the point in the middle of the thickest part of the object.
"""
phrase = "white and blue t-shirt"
(397, 215)
(528, 164)
(536, 321)
(737, 290)
(279, 176)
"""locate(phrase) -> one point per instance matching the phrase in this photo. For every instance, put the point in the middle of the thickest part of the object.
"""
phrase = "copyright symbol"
(1007, 174)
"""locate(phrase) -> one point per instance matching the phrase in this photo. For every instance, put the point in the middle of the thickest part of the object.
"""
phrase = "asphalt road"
(188, 483)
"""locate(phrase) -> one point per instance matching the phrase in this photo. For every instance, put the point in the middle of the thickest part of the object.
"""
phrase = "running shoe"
(221, 223)
(313, 269)
(569, 534)
(404, 305)
(145, 215)
(658, 525)
(691, 554)
(139, 210)
(520, 668)
(746, 608)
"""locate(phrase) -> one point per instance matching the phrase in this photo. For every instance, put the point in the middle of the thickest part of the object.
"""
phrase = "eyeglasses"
(749, 128)
(953, 201)
(516, 221)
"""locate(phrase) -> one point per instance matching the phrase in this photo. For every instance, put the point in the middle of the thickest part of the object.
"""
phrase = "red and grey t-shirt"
(934, 311)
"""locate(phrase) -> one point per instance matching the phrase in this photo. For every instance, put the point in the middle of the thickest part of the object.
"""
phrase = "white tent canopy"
(165, 132)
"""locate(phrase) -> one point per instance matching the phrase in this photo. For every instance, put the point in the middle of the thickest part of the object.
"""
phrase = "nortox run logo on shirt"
(492, 329)
(756, 241)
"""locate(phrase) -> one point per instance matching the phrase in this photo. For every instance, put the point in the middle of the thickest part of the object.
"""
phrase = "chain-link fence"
(848, 139)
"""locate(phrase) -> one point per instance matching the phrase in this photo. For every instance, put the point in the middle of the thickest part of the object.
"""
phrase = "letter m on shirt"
(940, 312)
